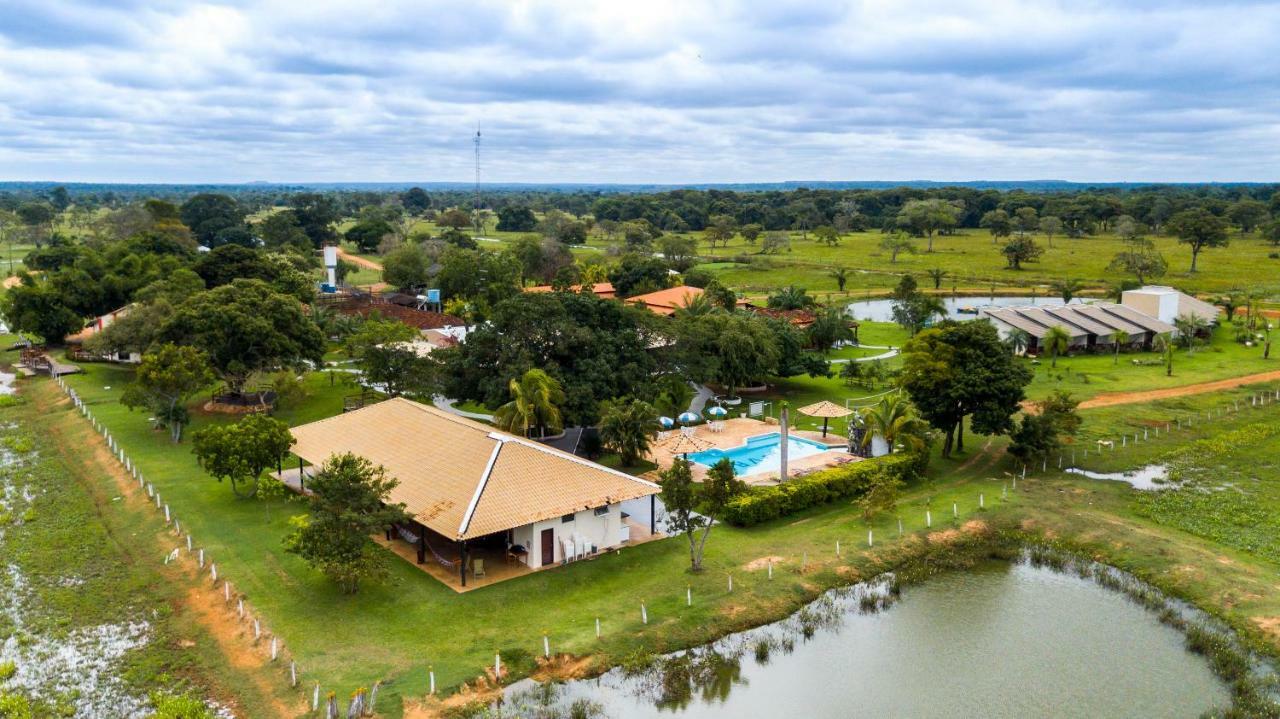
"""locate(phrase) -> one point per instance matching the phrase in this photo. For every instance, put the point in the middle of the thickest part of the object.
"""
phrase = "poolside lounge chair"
(477, 568)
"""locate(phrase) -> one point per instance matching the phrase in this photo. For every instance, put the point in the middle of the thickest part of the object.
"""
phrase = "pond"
(882, 310)
(1004, 640)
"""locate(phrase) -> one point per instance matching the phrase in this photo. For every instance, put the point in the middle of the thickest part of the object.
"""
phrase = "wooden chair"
(477, 568)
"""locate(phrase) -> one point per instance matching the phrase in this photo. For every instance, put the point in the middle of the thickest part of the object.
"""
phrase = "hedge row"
(846, 481)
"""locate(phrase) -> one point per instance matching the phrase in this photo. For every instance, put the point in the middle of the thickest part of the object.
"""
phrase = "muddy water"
(1002, 641)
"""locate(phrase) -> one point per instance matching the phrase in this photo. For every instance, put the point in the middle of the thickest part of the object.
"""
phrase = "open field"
(970, 258)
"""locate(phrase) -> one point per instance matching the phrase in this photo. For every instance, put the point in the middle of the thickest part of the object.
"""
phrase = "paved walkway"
(446, 404)
(892, 352)
(701, 396)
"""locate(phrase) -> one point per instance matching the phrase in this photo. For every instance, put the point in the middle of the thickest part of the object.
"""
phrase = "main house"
(475, 493)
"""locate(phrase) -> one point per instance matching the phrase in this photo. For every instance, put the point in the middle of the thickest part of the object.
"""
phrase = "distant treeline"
(693, 209)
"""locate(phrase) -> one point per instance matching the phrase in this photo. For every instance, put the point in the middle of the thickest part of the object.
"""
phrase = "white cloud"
(660, 91)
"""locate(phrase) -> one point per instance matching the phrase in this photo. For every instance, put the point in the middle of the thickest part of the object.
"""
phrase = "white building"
(1167, 304)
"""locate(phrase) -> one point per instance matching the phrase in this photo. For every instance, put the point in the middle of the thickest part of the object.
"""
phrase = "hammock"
(409, 536)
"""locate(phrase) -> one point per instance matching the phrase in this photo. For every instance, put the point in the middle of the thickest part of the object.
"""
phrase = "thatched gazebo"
(826, 410)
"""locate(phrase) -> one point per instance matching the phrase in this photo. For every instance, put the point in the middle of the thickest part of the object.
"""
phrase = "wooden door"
(548, 546)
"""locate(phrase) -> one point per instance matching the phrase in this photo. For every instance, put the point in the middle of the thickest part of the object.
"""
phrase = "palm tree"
(1018, 341)
(535, 397)
(1190, 327)
(894, 420)
(831, 325)
(1120, 338)
(937, 275)
(791, 298)
(932, 306)
(1056, 341)
(698, 305)
(1068, 289)
(841, 276)
(626, 427)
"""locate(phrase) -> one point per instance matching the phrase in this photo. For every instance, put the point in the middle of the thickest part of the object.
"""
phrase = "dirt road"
(1115, 398)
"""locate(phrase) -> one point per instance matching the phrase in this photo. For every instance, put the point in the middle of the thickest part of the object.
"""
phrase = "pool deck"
(735, 434)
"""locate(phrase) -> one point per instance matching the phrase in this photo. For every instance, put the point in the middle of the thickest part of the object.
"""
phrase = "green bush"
(846, 481)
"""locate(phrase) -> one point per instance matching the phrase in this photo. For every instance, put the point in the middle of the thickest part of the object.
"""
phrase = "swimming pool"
(762, 453)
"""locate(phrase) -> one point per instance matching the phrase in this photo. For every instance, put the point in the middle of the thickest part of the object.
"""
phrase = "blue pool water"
(762, 453)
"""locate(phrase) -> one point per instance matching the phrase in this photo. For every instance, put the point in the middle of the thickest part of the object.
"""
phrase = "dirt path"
(362, 262)
(1114, 398)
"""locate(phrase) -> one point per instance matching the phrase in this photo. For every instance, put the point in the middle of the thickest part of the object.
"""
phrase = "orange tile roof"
(666, 302)
(463, 479)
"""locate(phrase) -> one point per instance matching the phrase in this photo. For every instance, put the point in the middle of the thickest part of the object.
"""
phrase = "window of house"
(601, 511)
(566, 518)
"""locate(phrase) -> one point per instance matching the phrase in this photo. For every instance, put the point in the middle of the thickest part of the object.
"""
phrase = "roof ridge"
(570, 457)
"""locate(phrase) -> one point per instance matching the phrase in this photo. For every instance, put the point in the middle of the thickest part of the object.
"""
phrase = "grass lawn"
(972, 260)
(1087, 375)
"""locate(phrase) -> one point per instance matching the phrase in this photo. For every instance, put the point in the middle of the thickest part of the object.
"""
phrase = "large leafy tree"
(240, 452)
(926, 217)
(627, 426)
(282, 230)
(246, 327)
(208, 214)
(317, 214)
(728, 349)
(415, 200)
(535, 402)
(406, 267)
(595, 348)
(516, 218)
(350, 501)
(165, 379)
(368, 233)
(961, 370)
(693, 508)
(639, 274)
(36, 306)
(1199, 229)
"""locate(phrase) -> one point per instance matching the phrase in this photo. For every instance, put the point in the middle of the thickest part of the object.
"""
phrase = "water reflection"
(1002, 641)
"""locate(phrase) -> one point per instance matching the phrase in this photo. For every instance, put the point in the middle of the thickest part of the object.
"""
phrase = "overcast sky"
(639, 90)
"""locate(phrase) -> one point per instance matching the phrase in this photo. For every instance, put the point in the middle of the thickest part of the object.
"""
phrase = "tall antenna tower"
(476, 203)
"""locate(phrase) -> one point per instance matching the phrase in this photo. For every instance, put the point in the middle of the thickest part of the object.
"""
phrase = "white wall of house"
(604, 530)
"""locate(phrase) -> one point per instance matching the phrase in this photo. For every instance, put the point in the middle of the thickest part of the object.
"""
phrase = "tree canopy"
(961, 370)
(349, 502)
(594, 348)
(246, 327)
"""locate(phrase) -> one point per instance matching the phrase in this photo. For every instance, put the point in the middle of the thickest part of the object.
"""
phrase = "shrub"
(847, 481)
